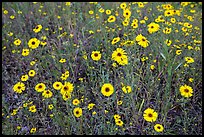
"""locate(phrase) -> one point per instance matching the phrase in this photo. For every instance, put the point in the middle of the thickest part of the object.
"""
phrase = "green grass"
(157, 89)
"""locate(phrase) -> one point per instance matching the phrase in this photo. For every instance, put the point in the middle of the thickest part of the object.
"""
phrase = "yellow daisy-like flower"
(108, 12)
(178, 52)
(118, 53)
(33, 130)
(115, 40)
(123, 5)
(40, 87)
(107, 89)
(32, 109)
(153, 27)
(119, 122)
(75, 102)
(50, 106)
(17, 42)
(111, 18)
(37, 28)
(116, 116)
(47, 94)
(67, 88)
(186, 91)
(33, 43)
(168, 42)
(158, 128)
(134, 25)
(19, 87)
(189, 59)
(77, 112)
(120, 102)
(150, 115)
(62, 60)
(96, 55)
(127, 89)
(90, 106)
(167, 30)
(24, 77)
(152, 67)
(66, 96)
(126, 13)
(57, 85)
(142, 41)
(25, 52)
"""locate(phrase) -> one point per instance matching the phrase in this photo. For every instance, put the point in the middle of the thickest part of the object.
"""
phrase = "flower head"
(107, 89)
(96, 55)
(77, 112)
(19, 87)
(186, 91)
(150, 115)
(158, 128)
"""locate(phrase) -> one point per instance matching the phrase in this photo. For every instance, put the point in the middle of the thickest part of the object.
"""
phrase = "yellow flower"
(62, 60)
(190, 79)
(33, 130)
(186, 91)
(142, 41)
(126, 13)
(50, 106)
(111, 18)
(150, 115)
(189, 59)
(158, 128)
(123, 5)
(5, 12)
(168, 42)
(75, 102)
(90, 106)
(32, 109)
(127, 89)
(116, 117)
(120, 102)
(17, 42)
(152, 67)
(94, 113)
(67, 88)
(66, 96)
(37, 28)
(25, 52)
(57, 85)
(108, 12)
(24, 77)
(119, 122)
(178, 52)
(115, 40)
(77, 112)
(96, 55)
(19, 87)
(167, 30)
(134, 25)
(153, 27)
(91, 12)
(107, 89)
(47, 94)
(33, 43)
(40, 87)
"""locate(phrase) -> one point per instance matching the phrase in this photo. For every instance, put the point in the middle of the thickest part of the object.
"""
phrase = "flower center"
(40, 86)
(19, 87)
(66, 88)
(186, 90)
(159, 127)
(150, 115)
(119, 54)
(107, 89)
(77, 112)
(96, 54)
(33, 43)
